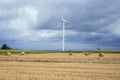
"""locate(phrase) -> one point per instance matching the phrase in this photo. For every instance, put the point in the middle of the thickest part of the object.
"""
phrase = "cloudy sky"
(36, 24)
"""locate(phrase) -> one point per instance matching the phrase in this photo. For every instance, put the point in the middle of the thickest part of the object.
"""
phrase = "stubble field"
(59, 66)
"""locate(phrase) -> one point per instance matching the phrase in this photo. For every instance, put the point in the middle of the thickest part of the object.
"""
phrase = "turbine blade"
(58, 25)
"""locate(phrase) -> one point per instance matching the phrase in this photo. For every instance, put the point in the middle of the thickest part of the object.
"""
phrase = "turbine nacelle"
(63, 20)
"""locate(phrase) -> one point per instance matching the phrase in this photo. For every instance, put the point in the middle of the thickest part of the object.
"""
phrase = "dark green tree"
(98, 49)
(4, 46)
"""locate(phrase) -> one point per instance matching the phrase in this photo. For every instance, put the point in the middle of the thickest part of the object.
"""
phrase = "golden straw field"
(60, 66)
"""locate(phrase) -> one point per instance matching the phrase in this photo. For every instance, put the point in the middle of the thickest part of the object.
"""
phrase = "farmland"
(60, 66)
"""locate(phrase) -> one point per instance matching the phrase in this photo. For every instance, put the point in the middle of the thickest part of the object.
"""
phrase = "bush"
(5, 47)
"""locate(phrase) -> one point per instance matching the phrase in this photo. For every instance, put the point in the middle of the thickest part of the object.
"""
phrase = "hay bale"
(8, 54)
(89, 53)
(86, 53)
(22, 53)
(70, 54)
(101, 55)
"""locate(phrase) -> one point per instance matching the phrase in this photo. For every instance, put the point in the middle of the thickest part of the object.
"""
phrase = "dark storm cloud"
(95, 18)
(90, 22)
(88, 17)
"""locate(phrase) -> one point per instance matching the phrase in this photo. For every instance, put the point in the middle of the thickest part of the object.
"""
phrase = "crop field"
(60, 66)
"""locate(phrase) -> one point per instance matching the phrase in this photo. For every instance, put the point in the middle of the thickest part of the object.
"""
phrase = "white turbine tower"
(63, 40)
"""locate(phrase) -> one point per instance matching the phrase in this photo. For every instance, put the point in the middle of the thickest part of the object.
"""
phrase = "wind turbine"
(63, 21)
(63, 40)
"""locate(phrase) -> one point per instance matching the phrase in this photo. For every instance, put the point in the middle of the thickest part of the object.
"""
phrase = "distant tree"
(98, 49)
(4, 46)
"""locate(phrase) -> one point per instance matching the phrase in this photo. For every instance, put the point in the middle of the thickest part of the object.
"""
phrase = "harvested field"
(63, 57)
(59, 66)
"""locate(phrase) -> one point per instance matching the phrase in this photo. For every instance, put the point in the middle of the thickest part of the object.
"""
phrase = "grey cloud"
(94, 22)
